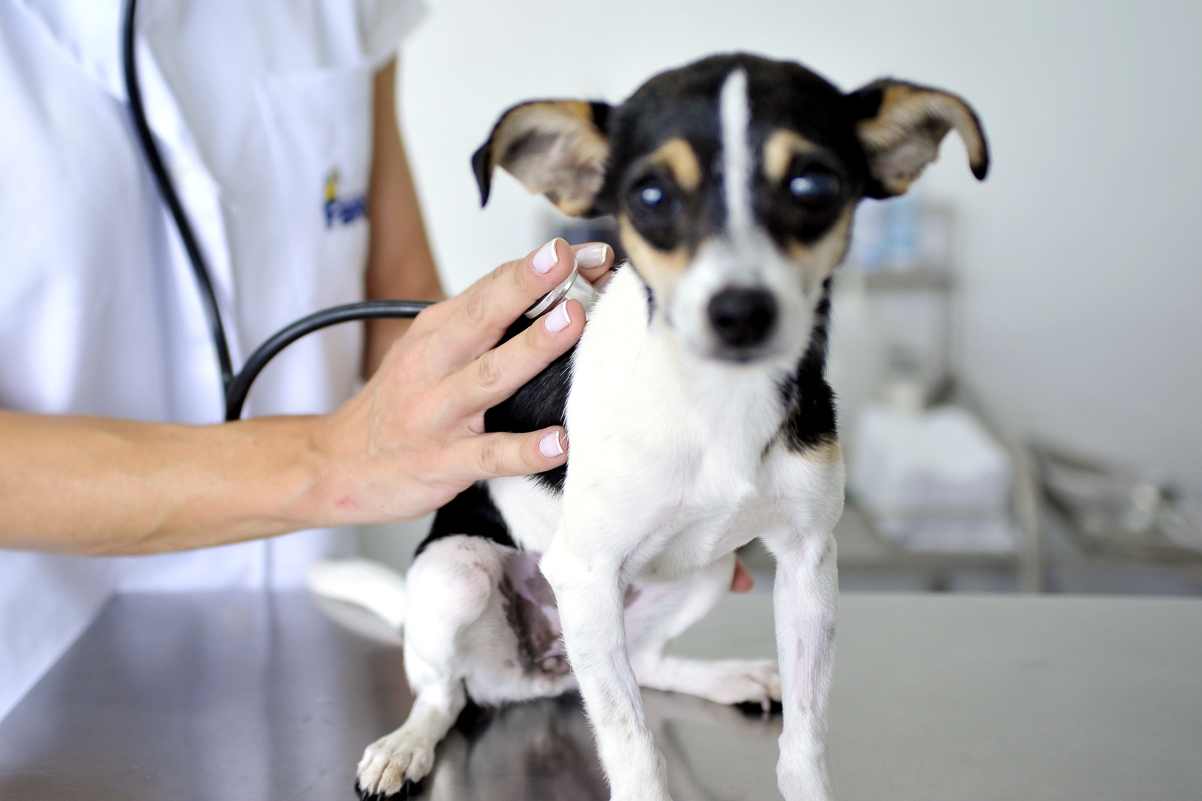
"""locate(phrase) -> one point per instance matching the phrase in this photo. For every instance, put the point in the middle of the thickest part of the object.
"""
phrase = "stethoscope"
(237, 385)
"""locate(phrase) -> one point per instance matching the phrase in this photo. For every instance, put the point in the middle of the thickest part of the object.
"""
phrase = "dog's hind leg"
(407, 755)
(729, 681)
(449, 588)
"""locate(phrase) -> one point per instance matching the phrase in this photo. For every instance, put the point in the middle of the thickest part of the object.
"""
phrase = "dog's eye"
(651, 196)
(654, 200)
(814, 187)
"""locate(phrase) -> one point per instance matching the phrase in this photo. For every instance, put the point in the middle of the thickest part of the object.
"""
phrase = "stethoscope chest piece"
(574, 287)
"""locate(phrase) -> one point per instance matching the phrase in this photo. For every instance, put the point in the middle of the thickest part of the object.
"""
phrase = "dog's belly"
(528, 659)
(698, 546)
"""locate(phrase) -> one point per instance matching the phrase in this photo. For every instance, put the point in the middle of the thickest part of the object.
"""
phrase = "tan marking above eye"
(780, 148)
(681, 160)
(648, 259)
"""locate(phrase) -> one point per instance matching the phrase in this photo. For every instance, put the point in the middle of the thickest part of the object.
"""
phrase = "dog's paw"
(753, 682)
(392, 766)
(408, 790)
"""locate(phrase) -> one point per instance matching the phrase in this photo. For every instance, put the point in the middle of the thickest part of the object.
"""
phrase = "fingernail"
(550, 446)
(546, 258)
(592, 256)
(557, 319)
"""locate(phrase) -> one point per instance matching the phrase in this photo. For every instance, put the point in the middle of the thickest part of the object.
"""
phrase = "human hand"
(413, 437)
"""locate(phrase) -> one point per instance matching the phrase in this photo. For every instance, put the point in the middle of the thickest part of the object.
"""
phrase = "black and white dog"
(697, 410)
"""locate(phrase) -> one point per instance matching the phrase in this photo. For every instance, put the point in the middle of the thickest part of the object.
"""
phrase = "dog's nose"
(742, 317)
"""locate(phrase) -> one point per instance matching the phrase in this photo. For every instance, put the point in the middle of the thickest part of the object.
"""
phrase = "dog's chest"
(662, 451)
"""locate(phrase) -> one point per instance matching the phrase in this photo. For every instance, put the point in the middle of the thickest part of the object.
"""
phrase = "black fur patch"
(601, 112)
(470, 512)
(540, 403)
(810, 419)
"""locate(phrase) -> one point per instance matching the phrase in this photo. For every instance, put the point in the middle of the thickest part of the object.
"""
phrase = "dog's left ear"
(900, 126)
(554, 147)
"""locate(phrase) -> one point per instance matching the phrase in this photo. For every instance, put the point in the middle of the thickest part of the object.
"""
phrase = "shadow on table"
(544, 749)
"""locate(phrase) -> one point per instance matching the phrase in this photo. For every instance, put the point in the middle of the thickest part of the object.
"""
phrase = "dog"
(697, 409)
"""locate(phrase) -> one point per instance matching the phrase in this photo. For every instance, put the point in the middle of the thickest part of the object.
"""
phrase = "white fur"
(670, 477)
(735, 116)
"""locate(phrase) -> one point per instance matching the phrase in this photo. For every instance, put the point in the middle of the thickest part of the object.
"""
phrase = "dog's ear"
(554, 147)
(900, 126)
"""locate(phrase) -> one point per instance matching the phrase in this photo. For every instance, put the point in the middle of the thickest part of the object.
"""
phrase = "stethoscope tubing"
(365, 310)
(234, 387)
(167, 190)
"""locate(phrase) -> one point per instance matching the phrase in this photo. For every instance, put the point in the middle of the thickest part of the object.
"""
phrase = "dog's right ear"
(554, 147)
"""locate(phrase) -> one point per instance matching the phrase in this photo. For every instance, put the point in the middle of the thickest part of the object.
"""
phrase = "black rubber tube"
(237, 386)
(235, 397)
(155, 161)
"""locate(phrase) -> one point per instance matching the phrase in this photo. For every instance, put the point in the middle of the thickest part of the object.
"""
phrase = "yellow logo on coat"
(340, 210)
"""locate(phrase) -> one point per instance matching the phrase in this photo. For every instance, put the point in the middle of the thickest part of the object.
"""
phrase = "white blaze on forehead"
(735, 115)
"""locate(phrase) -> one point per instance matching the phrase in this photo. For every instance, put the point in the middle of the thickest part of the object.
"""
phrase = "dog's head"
(733, 181)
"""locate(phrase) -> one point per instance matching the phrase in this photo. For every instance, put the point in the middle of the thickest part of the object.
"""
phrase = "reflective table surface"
(254, 697)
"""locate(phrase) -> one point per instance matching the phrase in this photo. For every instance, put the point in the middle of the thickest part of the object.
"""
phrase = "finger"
(595, 260)
(495, 455)
(489, 306)
(500, 372)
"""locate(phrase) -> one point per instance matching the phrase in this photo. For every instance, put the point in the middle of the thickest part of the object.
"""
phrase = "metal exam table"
(249, 697)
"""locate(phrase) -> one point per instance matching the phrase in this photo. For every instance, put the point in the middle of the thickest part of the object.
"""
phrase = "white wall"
(1082, 277)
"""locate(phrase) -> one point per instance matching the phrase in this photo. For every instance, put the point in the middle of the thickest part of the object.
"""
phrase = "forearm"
(100, 486)
(407, 443)
(400, 261)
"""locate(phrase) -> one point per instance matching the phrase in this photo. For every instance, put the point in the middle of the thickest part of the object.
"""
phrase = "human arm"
(400, 448)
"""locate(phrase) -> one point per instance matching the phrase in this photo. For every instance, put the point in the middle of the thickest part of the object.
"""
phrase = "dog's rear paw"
(409, 789)
(393, 766)
(747, 682)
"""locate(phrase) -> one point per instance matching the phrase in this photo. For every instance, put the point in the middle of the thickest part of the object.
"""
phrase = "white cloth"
(933, 480)
(262, 112)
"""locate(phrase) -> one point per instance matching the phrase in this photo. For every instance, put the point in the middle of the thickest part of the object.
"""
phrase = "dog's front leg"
(805, 595)
(589, 592)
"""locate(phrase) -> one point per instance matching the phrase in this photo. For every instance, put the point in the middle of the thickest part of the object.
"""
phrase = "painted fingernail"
(557, 319)
(550, 446)
(593, 255)
(546, 258)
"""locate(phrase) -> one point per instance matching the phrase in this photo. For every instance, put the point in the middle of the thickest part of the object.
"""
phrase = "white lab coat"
(262, 111)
